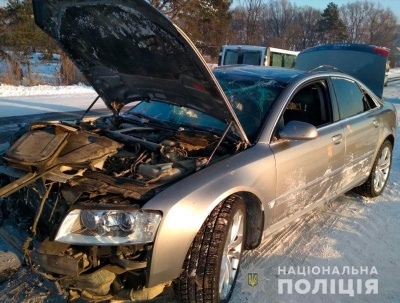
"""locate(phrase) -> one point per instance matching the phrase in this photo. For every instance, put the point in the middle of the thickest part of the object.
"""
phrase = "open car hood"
(130, 51)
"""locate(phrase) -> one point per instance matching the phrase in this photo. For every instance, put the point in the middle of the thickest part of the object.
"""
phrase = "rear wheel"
(212, 263)
(379, 176)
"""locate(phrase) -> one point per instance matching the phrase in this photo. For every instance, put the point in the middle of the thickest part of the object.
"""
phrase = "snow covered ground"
(43, 90)
(17, 100)
(349, 233)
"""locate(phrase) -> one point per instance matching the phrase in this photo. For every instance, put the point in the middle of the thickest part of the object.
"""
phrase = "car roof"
(244, 46)
(284, 75)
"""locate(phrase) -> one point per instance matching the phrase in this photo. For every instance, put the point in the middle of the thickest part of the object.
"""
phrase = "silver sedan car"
(171, 190)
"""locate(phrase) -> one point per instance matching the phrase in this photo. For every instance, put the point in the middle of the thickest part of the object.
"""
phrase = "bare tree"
(237, 28)
(382, 27)
(355, 16)
(279, 24)
(281, 15)
(246, 22)
(305, 25)
(369, 23)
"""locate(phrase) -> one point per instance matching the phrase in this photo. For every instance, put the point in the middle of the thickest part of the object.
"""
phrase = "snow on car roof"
(277, 73)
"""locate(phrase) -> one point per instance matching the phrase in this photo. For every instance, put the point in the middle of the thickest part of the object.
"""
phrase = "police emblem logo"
(252, 279)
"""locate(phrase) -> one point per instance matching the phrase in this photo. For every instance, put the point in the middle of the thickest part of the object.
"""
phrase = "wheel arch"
(255, 219)
(389, 138)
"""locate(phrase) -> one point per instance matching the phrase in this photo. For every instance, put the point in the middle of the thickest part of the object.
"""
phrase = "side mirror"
(297, 130)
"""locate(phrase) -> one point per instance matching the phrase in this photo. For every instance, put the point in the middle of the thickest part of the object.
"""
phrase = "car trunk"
(367, 63)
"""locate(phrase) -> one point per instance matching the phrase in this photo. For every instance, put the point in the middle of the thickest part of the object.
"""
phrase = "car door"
(361, 130)
(308, 170)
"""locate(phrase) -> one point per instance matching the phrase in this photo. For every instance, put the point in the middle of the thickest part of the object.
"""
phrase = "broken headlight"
(108, 227)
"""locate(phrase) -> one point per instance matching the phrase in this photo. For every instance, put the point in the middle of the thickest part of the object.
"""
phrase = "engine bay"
(111, 160)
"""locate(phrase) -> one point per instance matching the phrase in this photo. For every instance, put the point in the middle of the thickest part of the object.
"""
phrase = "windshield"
(177, 116)
(252, 97)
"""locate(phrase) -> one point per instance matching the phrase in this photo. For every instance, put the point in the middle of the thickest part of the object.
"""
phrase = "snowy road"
(32, 105)
(16, 101)
(349, 232)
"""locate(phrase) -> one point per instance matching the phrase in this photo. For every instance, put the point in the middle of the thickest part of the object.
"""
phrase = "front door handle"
(337, 139)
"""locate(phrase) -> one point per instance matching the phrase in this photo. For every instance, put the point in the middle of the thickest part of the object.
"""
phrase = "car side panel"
(387, 119)
(361, 138)
(361, 132)
(307, 171)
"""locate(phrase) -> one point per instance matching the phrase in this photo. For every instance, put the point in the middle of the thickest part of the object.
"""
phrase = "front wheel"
(379, 175)
(212, 263)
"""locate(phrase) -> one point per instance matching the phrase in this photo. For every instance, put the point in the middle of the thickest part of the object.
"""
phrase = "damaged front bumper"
(119, 279)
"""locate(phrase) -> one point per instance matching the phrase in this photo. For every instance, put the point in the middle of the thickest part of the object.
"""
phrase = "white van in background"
(256, 55)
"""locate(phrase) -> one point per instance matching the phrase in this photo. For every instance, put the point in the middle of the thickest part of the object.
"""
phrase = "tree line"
(213, 23)
(280, 23)
(283, 24)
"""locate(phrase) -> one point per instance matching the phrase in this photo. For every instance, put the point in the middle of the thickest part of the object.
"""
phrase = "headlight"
(108, 227)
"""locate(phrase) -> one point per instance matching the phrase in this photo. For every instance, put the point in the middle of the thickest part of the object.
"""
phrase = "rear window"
(252, 58)
(233, 56)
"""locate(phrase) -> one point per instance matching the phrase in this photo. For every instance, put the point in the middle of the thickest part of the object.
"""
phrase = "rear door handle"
(375, 123)
(337, 139)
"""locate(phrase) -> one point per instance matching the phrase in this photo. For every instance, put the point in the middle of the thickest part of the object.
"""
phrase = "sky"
(394, 5)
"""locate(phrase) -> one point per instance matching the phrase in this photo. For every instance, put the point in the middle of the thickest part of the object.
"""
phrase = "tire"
(214, 254)
(379, 175)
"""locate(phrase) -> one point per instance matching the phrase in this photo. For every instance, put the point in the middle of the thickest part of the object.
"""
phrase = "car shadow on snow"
(349, 232)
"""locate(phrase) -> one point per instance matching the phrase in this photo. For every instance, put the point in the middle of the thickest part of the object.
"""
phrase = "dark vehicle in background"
(174, 189)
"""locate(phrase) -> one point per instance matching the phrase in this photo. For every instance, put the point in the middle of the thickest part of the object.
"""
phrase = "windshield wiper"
(143, 116)
(230, 135)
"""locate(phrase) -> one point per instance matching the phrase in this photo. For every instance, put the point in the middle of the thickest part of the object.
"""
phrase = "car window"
(350, 98)
(309, 104)
(242, 57)
(253, 58)
(369, 102)
(231, 57)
